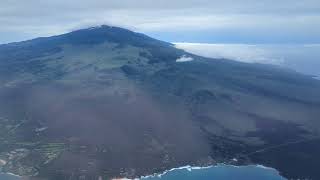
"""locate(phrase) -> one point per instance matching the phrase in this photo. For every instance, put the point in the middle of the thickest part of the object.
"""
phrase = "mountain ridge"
(101, 28)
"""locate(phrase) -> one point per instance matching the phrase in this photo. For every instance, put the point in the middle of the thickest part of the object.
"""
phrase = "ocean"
(8, 177)
(219, 172)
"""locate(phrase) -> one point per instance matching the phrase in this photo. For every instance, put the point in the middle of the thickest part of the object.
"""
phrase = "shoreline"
(186, 167)
(11, 174)
(190, 168)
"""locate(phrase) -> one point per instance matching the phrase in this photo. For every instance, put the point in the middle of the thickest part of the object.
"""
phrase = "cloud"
(42, 18)
(184, 59)
(240, 52)
(304, 58)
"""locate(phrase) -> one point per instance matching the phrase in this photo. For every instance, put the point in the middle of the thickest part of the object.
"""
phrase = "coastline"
(187, 167)
(11, 174)
(190, 168)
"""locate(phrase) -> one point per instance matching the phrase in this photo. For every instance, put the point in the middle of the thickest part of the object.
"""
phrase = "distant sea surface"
(220, 172)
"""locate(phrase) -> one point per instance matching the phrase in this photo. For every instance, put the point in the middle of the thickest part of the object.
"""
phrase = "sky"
(283, 32)
(193, 21)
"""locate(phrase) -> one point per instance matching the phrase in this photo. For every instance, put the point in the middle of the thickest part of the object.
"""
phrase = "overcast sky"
(201, 21)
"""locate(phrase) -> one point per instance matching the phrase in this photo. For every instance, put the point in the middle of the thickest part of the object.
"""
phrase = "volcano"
(108, 102)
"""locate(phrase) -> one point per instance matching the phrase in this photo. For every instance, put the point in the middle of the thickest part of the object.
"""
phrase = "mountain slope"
(109, 102)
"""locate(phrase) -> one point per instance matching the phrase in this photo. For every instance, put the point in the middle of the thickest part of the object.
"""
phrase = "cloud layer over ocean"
(302, 58)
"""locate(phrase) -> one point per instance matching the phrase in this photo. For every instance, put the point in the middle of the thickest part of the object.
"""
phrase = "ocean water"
(8, 177)
(220, 172)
